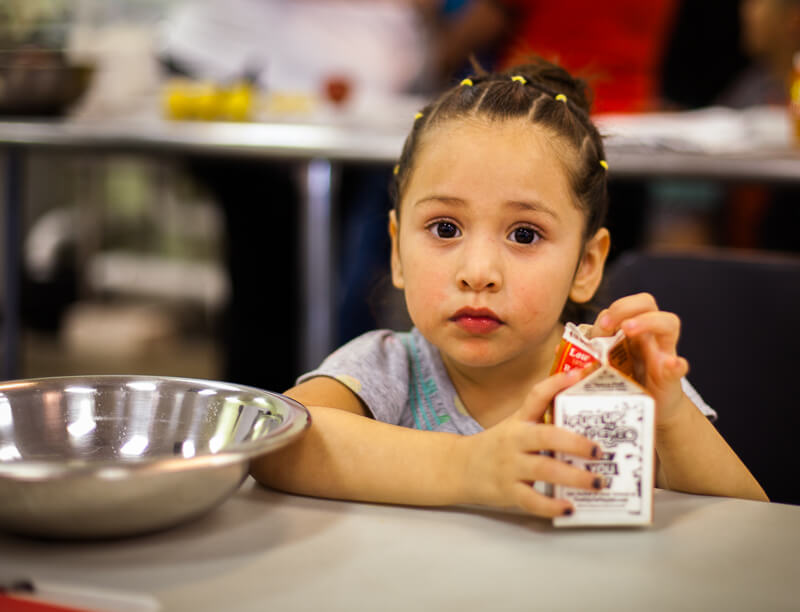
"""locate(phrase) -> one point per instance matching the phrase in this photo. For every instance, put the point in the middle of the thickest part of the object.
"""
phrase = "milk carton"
(609, 407)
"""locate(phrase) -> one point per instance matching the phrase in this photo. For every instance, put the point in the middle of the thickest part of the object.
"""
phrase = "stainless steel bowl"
(40, 82)
(107, 456)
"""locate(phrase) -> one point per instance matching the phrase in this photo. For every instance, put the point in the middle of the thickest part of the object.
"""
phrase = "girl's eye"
(444, 229)
(524, 235)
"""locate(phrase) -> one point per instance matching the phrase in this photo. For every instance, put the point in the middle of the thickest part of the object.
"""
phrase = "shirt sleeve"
(697, 400)
(374, 366)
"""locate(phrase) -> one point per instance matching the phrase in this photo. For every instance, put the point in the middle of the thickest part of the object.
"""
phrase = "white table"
(263, 550)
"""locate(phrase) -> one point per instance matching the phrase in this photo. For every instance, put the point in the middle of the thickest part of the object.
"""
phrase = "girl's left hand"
(653, 336)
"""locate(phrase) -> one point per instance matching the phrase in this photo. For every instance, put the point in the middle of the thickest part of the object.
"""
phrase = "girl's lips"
(476, 321)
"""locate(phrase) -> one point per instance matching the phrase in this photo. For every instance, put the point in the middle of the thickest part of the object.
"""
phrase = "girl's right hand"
(503, 462)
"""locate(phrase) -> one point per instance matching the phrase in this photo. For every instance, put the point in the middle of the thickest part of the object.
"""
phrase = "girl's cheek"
(424, 291)
(537, 298)
(429, 293)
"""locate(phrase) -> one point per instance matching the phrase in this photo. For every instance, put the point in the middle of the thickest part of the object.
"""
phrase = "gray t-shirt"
(401, 379)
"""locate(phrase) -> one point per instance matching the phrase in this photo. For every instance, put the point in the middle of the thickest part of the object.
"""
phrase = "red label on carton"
(571, 357)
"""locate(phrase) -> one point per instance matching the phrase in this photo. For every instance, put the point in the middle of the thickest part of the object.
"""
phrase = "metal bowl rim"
(242, 451)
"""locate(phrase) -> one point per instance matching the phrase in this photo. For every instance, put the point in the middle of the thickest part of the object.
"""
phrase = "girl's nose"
(480, 269)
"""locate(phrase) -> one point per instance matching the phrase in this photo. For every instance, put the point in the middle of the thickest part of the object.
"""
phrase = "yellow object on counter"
(238, 104)
(203, 101)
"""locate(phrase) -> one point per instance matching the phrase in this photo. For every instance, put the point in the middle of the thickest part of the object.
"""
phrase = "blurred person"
(617, 44)
(732, 53)
(738, 54)
(703, 55)
(759, 216)
(770, 38)
(296, 45)
(464, 29)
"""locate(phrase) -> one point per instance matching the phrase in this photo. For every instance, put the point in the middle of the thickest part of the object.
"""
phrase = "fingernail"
(605, 322)
(567, 512)
(595, 451)
(597, 483)
(629, 325)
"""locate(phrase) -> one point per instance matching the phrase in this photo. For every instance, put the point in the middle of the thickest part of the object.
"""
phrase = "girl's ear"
(590, 269)
(397, 267)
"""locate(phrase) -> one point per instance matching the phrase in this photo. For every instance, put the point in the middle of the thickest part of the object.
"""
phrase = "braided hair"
(549, 97)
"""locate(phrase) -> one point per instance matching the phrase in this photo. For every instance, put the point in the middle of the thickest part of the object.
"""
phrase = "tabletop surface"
(266, 550)
(714, 143)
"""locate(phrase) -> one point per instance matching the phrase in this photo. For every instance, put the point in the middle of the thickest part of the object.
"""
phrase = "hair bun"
(550, 76)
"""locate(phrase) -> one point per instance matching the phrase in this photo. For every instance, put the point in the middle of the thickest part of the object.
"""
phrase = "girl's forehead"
(482, 126)
(506, 154)
(485, 138)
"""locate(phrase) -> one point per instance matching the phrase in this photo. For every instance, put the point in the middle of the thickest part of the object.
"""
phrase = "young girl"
(500, 195)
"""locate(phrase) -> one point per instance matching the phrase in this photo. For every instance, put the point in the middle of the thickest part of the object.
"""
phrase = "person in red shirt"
(617, 45)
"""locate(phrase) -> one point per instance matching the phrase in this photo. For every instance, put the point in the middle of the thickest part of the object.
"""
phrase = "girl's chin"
(482, 354)
(477, 358)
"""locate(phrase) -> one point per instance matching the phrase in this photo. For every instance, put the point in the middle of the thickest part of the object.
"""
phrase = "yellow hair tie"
(396, 169)
(604, 163)
(519, 79)
(417, 116)
(561, 98)
(467, 82)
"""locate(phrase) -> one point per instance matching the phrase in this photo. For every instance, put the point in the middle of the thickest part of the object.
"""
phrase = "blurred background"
(164, 261)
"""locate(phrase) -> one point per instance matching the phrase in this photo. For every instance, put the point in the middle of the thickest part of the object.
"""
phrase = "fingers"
(530, 465)
(654, 333)
(610, 319)
(526, 464)
(534, 502)
(543, 393)
(556, 472)
(542, 467)
(664, 363)
(680, 367)
(535, 437)
(602, 326)
(662, 325)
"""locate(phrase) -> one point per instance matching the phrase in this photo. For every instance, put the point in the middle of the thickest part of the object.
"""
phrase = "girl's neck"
(494, 393)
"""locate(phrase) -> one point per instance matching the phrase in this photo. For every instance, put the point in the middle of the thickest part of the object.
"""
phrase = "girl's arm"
(347, 455)
(693, 456)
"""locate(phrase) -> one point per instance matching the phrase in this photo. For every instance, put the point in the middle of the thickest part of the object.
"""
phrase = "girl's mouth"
(476, 320)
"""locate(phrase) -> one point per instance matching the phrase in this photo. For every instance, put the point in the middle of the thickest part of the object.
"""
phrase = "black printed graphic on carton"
(613, 428)
(605, 467)
(607, 427)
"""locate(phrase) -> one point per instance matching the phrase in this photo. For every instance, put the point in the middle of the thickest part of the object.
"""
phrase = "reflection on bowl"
(106, 456)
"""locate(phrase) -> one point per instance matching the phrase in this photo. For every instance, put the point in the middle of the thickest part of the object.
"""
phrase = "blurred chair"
(740, 314)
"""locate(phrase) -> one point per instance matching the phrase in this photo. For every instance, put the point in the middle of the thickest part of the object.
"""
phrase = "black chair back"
(740, 316)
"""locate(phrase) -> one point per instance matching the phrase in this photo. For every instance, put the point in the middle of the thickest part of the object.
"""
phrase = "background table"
(640, 149)
(313, 147)
(265, 550)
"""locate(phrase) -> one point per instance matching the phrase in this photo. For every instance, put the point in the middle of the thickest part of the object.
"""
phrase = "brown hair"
(549, 97)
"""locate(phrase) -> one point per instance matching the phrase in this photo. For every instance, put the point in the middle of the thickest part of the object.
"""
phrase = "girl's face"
(489, 244)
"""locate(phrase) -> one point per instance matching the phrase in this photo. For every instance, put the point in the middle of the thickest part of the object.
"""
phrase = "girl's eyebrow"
(440, 199)
(533, 207)
(521, 205)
